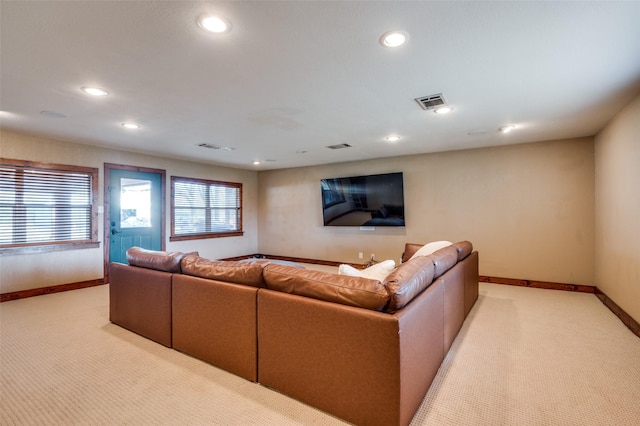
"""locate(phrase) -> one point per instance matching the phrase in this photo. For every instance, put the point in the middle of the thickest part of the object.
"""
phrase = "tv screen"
(372, 200)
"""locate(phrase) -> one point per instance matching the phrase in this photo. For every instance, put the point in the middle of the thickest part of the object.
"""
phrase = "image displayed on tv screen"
(371, 200)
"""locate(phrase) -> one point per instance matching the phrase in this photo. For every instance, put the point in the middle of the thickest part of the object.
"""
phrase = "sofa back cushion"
(152, 259)
(247, 273)
(407, 281)
(464, 249)
(443, 260)
(353, 291)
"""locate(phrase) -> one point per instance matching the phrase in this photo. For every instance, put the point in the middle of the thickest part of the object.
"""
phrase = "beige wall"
(564, 211)
(528, 209)
(25, 271)
(617, 189)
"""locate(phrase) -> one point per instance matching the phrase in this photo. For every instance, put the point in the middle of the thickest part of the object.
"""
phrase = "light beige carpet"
(524, 357)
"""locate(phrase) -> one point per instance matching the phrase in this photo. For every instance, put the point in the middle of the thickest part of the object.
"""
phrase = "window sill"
(203, 236)
(45, 248)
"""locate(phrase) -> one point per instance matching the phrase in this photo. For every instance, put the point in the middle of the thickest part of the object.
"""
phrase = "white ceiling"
(293, 77)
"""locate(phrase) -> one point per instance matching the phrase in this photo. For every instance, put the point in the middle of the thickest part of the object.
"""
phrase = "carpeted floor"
(524, 357)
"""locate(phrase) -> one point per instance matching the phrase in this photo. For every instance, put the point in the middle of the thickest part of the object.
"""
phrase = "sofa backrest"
(152, 259)
(398, 289)
(464, 248)
(443, 260)
(343, 289)
(247, 273)
(407, 281)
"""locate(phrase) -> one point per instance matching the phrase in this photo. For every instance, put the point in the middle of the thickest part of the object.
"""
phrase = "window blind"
(205, 208)
(45, 204)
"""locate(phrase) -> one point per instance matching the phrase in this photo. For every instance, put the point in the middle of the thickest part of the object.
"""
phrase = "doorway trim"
(107, 211)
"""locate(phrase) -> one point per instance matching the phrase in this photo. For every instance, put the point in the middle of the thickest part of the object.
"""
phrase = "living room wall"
(528, 209)
(27, 271)
(617, 177)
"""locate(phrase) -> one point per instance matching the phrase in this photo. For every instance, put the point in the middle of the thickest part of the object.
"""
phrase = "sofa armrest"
(409, 250)
(471, 286)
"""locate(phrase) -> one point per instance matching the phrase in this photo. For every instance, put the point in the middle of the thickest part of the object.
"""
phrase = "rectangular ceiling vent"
(212, 146)
(339, 146)
(431, 102)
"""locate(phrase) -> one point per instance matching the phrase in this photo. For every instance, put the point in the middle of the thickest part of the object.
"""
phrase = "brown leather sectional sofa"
(363, 350)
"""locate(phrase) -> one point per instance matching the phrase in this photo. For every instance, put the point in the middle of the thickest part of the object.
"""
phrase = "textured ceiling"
(291, 78)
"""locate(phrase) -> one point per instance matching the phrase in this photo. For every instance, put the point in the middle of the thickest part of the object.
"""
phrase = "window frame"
(49, 246)
(203, 235)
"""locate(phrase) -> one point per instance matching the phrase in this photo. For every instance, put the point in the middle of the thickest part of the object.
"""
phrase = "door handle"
(114, 231)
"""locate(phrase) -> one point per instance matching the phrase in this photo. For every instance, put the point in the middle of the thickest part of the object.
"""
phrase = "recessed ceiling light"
(394, 38)
(393, 138)
(445, 109)
(507, 129)
(94, 91)
(214, 24)
(255, 163)
(130, 125)
(7, 114)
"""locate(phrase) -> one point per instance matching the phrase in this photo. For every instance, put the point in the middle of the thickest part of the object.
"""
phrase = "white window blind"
(45, 204)
(203, 208)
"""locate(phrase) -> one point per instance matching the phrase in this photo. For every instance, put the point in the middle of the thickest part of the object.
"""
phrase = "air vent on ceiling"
(431, 102)
(211, 146)
(339, 146)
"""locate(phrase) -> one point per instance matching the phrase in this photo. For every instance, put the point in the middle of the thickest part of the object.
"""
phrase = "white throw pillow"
(429, 248)
(349, 270)
(379, 271)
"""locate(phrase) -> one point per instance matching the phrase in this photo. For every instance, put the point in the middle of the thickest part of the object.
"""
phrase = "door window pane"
(135, 203)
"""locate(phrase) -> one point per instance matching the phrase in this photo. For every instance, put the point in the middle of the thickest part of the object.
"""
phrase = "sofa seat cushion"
(247, 273)
(152, 259)
(353, 291)
(407, 281)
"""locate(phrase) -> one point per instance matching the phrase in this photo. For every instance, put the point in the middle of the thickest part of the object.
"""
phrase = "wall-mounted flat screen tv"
(372, 200)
